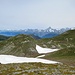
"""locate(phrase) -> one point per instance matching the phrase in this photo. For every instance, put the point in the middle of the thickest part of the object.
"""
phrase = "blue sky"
(24, 14)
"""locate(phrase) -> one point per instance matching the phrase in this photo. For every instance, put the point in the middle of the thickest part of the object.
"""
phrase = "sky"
(36, 14)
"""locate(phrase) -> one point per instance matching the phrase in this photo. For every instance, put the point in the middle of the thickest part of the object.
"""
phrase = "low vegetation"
(66, 56)
(36, 69)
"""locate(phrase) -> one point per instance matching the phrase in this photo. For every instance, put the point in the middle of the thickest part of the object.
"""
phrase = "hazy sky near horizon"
(24, 14)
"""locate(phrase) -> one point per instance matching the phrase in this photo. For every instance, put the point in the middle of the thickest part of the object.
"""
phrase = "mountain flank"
(65, 40)
(20, 45)
(66, 43)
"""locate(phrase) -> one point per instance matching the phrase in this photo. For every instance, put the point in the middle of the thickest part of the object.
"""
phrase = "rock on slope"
(20, 45)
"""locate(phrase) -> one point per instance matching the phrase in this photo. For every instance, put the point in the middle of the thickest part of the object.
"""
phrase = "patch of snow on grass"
(44, 50)
(40, 56)
(6, 59)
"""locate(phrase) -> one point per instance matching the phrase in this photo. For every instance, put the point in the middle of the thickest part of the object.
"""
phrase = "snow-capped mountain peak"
(49, 29)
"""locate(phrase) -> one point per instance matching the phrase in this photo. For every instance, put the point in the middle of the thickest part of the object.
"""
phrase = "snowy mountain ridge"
(36, 32)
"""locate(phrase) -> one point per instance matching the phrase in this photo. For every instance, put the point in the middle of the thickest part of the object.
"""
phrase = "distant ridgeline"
(2, 37)
(43, 33)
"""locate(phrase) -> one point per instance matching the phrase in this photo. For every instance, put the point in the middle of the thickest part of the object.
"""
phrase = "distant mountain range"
(43, 33)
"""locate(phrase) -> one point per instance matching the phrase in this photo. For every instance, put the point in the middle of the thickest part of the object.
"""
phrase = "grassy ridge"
(64, 40)
(66, 43)
(20, 45)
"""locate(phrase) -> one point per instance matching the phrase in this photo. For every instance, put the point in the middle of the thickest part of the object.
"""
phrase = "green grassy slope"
(64, 40)
(20, 45)
(66, 56)
(66, 43)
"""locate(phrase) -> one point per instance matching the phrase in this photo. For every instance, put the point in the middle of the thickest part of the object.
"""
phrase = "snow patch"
(40, 56)
(6, 59)
(44, 50)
